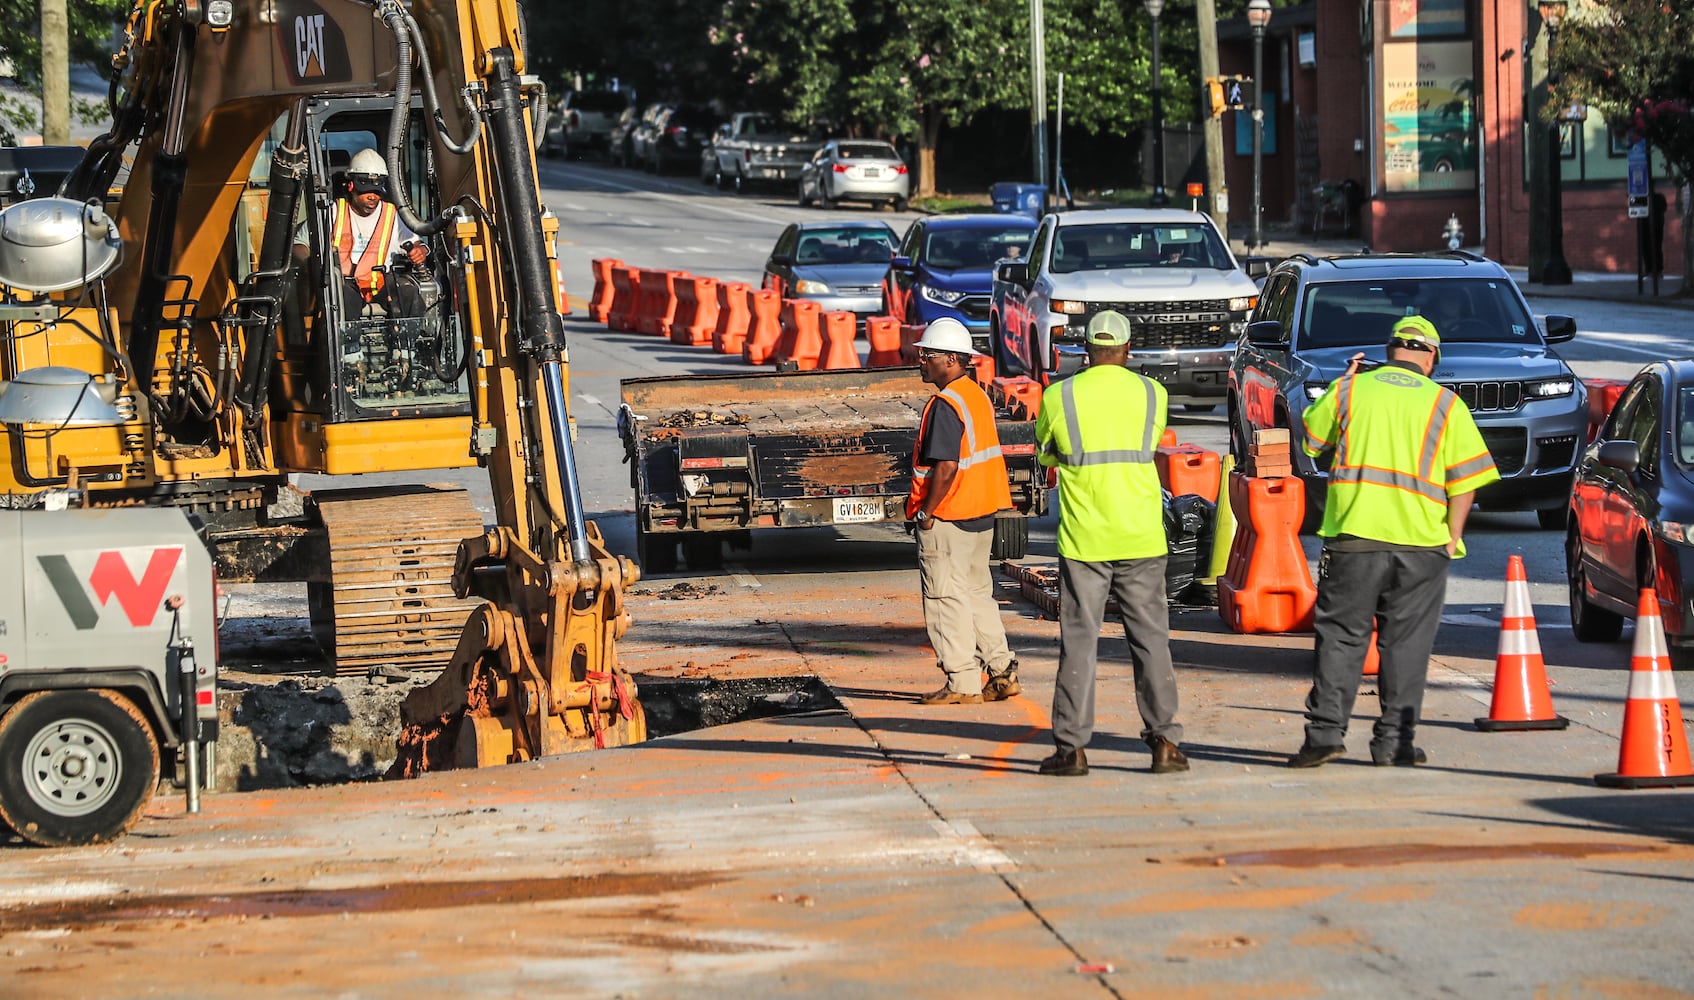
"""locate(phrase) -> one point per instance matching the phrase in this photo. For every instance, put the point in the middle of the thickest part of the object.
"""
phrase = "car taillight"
(840, 168)
(900, 169)
(675, 130)
(576, 120)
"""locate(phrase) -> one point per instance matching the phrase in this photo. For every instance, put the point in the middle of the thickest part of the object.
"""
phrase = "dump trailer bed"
(713, 456)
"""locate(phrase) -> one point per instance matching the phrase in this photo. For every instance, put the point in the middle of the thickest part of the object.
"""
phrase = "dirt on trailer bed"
(789, 403)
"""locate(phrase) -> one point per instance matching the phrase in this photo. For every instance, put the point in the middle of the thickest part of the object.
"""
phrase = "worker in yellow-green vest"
(1408, 461)
(1101, 428)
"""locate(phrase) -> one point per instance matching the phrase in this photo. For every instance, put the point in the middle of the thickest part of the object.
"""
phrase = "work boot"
(1313, 756)
(948, 696)
(1166, 757)
(1002, 686)
(1066, 764)
(1406, 756)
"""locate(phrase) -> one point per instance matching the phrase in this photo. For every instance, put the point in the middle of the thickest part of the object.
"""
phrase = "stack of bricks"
(1268, 456)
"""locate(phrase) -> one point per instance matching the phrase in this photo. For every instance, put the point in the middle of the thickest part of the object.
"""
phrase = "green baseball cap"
(1418, 330)
(1109, 329)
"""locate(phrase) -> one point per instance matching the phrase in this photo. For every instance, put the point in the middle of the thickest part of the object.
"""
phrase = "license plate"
(855, 510)
(873, 171)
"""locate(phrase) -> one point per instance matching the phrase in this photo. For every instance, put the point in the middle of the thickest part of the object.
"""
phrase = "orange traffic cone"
(1654, 750)
(1373, 659)
(1522, 699)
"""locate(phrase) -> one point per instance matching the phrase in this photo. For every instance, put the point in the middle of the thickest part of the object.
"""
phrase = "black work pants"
(1399, 591)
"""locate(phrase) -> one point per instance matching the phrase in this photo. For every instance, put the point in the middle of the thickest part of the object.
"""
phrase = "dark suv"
(1314, 314)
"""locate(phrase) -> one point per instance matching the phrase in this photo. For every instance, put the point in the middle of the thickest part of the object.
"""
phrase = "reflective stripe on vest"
(1080, 456)
(364, 272)
(1422, 482)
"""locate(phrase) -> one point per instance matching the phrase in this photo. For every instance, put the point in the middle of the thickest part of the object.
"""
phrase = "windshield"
(1104, 246)
(845, 245)
(1464, 310)
(952, 249)
(866, 151)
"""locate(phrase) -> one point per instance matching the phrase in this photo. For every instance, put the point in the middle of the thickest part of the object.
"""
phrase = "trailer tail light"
(1017, 450)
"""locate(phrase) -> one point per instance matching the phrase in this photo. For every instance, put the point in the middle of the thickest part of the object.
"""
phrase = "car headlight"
(1242, 305)
(805, 287)
(942, 295)
(1315, 390)
(1549, 388)
(1676, 531)
(1069, 308)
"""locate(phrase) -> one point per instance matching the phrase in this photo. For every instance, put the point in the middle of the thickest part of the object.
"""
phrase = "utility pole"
(1038, 92)
(55, 73)
(1206, 16)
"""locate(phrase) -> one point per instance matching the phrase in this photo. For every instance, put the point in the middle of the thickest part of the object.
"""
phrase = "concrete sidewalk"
(1595, 285)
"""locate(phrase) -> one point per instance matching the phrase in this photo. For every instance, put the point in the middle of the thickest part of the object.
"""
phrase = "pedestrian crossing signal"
(1226, 93)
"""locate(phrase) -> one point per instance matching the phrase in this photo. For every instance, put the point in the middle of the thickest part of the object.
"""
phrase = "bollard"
(883, 334)
(1267, 586)
(764, 329)
(729, 333)
(601, 303)
(840, 349)
(620, 315)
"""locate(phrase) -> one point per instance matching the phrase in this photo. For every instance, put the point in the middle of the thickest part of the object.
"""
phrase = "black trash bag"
(1188, 532)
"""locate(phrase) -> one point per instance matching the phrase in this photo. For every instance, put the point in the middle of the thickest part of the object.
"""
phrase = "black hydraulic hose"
(400, 23)
(274, 280)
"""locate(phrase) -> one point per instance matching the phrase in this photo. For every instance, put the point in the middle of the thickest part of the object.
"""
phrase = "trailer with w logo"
(101, 686)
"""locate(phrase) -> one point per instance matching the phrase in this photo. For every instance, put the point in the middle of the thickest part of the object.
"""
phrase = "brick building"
(1421, 103)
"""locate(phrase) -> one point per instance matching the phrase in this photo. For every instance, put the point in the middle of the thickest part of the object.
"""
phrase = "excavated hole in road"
(303, 731)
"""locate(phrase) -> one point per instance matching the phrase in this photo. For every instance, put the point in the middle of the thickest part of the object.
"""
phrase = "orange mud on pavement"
(904, 851)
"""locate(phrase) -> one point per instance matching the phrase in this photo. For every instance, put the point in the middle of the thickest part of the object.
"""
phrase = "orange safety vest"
(980, 487)
(368, 279)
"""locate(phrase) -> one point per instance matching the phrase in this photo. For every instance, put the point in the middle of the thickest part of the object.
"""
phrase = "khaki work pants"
(959, 609)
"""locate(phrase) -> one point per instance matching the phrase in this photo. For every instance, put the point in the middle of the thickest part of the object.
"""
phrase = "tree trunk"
(929, 131)
(55, 73)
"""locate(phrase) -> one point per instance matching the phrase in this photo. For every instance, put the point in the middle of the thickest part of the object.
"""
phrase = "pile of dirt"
(306, 730)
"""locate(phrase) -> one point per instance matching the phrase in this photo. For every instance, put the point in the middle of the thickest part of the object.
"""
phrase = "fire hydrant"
(1454, 233)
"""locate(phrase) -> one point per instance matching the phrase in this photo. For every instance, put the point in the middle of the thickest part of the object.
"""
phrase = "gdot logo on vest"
(114, 587)
(1401, 379)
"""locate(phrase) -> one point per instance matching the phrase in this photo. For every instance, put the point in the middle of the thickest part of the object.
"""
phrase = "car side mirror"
(1620, 454)
(1015, 272)
(1266, 333)
(901, 263)
(782, 260)
(1256, 267)
(1560, 329)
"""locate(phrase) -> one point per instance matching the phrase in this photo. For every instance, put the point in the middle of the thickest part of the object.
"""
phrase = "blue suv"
(1314, 314)
(945, 267)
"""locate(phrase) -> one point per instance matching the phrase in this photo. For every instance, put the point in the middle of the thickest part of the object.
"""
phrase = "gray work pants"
(1402, 591)
(959, 609)
(1139, 586)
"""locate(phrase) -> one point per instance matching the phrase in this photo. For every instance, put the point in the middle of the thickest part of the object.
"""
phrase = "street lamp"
(1159, 199)
(1556, 271)
(1258, 15)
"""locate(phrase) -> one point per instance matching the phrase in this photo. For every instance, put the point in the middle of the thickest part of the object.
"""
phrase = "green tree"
(93, 28)
(1633, 61)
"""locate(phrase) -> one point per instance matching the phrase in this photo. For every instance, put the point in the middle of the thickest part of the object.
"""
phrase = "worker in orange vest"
(958, 483)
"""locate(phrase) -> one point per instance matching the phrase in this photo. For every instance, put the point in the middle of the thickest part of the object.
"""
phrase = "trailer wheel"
(1011, 538)
(656, 554)
(76, 767)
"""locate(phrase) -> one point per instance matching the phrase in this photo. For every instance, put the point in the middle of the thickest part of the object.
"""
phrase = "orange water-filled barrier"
(1268, 586)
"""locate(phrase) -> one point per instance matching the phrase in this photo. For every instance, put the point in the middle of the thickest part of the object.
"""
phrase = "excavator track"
(388, 600)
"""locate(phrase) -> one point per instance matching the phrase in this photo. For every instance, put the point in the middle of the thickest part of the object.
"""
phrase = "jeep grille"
(1489, 397)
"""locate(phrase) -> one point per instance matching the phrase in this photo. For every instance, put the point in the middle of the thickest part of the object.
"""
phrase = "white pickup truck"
(753, 148)
(1169, 271)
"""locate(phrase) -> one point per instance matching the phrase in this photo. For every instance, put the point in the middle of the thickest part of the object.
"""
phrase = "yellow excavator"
(233, 356)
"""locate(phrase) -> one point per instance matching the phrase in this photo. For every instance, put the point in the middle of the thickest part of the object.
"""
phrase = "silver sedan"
(856, 170)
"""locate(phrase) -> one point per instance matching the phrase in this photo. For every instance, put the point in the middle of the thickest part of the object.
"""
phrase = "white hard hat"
(368, 161)
(947, 334)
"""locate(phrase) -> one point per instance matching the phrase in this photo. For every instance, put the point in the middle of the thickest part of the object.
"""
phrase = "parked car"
(1169, 270)
(622, 136)
(581, 122)
(1630, 519)
(678, 137)
(639, 139)
(945, 267)
(755, 148)
(1315, 314)
(855, 170)
(839, 264)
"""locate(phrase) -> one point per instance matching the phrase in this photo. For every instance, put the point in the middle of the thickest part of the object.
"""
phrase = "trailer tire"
(1011, 538)
(656, 554)
(76, 767)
